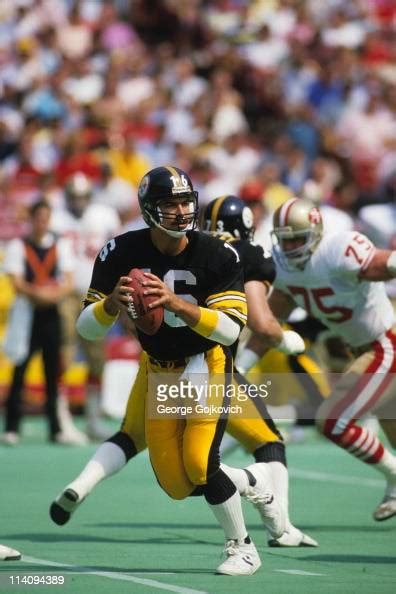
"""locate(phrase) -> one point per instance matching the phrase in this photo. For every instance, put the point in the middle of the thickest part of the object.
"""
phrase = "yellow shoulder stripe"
(236, 312)
(225, 294)
(239, 304)
(94, 295)
(236, 307)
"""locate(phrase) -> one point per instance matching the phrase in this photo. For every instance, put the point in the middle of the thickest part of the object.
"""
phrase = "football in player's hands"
(146, 319)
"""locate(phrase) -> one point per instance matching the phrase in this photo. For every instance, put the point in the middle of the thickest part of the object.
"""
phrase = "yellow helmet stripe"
(215, 211)
(173, 171)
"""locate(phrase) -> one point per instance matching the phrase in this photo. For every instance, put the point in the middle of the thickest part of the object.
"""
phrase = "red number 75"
(318, 295)
(351, 251)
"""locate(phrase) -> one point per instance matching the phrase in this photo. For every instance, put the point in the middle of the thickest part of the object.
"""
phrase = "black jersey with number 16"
(207, 272)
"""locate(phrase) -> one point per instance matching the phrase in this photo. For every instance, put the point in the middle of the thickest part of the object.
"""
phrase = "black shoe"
(62, 508)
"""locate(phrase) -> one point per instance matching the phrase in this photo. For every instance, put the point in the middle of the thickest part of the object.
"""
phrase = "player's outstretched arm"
(261, 320)
(382, 266)
(267, 332)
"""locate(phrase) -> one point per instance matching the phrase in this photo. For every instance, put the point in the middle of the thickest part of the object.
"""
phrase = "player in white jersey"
(88, 225)
(333, 288)
(337, 278)
(378, 222)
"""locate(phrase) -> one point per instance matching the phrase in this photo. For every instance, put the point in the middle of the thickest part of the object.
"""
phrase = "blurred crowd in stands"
(262, 98)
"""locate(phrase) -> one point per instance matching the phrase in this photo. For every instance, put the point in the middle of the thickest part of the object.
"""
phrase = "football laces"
(131, 309)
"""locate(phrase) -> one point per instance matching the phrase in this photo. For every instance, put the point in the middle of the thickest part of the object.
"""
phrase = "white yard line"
(312, 475)
(113, 575)
(298, 572)
(342, 479)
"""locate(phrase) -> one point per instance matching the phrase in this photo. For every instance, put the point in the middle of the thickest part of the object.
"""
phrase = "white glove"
(291, 343)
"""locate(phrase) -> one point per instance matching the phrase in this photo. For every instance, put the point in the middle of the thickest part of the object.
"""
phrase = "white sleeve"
(226, 331)
(115, 223)
(14, 258)
(93, 323)
(350, 253)
(66, 259)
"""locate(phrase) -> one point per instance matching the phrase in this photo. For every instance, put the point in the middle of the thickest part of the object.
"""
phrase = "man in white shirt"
(41, 270)
(88, 225)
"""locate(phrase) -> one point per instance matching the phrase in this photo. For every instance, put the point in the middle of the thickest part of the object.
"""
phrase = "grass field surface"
(128, 536)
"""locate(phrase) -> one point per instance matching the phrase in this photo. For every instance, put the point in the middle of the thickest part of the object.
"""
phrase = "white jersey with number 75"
(329, 288)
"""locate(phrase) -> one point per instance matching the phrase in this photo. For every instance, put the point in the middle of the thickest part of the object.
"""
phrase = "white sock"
(93, 404)
(387, 466)
(238, 477)
(280, 482)
(230, 517)
(64, 415)
(66, 421)
(108, 459)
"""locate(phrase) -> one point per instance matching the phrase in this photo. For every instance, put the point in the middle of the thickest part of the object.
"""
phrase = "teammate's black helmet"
(163, 184)
(229, 214)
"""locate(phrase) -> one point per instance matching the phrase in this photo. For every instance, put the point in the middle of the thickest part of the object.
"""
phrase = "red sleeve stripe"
(368, 259)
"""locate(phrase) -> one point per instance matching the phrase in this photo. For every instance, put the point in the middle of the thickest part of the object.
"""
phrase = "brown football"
(147, 320)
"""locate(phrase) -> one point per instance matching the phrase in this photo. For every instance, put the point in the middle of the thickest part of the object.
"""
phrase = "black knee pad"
(198, 491)
(274, 451)
(219, 488)
(123, 441)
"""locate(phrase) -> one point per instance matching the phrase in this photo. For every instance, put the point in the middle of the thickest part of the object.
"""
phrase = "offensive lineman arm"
(260, 318)
(281, 304)
(267, 332)
(265, 326)
(382, 266)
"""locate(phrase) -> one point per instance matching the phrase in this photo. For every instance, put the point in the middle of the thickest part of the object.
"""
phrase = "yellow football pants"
(183, 452)
(180, 449)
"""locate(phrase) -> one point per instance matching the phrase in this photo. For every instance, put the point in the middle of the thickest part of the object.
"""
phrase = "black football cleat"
(62, 508)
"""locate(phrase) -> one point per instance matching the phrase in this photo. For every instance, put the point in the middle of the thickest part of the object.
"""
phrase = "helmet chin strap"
(171, 232)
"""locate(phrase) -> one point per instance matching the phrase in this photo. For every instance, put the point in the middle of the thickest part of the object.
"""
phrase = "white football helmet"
(296, 218)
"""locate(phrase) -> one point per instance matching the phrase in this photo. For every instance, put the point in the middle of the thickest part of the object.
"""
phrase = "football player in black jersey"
(198, 279)
(229, 218)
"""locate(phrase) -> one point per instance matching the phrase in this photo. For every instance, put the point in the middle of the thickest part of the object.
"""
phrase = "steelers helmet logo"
(143, 187)
(247, 217)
